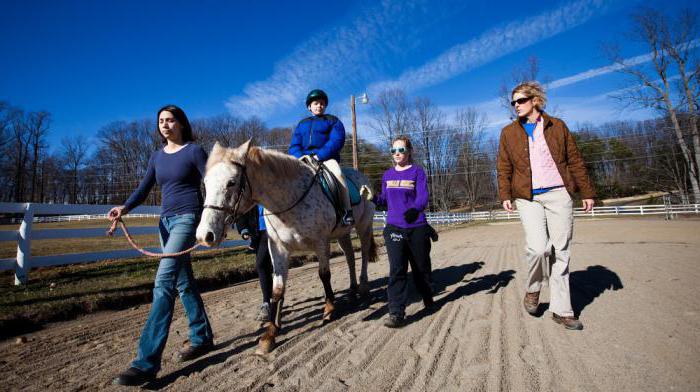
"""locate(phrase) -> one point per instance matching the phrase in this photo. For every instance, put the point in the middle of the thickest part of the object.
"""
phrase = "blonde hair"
(533, 90)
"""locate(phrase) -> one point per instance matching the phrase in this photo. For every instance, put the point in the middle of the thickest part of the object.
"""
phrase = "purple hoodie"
(402, 190)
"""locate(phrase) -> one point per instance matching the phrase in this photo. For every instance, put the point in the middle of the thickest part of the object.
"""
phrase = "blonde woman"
(540, 168)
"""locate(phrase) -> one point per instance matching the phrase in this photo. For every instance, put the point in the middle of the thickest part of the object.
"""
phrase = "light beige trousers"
(548, 221)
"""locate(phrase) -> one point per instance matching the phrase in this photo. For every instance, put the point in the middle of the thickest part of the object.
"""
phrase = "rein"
(231, 217)
(143, 251)
(232, 212)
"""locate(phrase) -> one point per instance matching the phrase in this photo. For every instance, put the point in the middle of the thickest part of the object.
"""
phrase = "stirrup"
(348, 219)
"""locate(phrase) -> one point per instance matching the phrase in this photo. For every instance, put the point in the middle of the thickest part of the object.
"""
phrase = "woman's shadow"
(589, 284)
(586, 286)
(445, 277)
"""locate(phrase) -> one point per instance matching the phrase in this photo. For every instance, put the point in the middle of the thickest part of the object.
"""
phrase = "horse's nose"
(209, 237)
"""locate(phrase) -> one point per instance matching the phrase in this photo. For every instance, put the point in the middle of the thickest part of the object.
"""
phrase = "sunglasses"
(400, 150)
(519, 101)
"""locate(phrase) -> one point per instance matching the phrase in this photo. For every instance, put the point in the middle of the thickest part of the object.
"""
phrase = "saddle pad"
(353, 190)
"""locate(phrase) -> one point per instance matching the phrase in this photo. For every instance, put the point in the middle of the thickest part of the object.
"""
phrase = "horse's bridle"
(232, 212)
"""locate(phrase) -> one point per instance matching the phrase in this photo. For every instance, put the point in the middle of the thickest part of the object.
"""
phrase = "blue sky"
(92, 62)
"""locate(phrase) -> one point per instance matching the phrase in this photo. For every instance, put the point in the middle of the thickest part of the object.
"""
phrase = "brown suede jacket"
(514, 173)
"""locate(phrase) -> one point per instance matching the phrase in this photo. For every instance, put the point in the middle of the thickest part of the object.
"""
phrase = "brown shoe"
(531, 301)
(568, 322)
(193, 352)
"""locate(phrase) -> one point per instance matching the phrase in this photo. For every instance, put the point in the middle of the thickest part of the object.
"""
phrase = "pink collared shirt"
(544, 171)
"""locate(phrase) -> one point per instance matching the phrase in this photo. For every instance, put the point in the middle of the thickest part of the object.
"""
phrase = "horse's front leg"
(280, 264)
(346, 245)
(324, 272)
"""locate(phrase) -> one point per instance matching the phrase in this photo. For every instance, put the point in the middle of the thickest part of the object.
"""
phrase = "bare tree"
(38, 127)
(75, 150)
(670, 44)
(473, 160)
(519, 74)
(4, 124)
(432, 141)
(391, 113)
(18, 150)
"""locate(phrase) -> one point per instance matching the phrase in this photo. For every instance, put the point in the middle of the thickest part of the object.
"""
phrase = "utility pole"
(355, 162)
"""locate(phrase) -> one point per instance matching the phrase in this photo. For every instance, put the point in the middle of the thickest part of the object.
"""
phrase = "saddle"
(331, 186)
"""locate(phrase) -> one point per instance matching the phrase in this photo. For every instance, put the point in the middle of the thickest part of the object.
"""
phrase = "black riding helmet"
(316, 95)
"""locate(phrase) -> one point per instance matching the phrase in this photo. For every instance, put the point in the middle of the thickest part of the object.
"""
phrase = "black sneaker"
(429, 304)
(394, 321)
(133, 377)
(193, 352)
(348, 219)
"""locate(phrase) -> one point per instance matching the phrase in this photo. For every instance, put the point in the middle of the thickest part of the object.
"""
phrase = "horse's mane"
(279, 163)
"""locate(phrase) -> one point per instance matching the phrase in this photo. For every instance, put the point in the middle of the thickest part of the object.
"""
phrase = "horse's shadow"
(586, 286)
(204, 362)
(347, 304)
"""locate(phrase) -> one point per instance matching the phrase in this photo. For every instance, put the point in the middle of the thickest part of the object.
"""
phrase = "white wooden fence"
(447, 218)
(23, 262)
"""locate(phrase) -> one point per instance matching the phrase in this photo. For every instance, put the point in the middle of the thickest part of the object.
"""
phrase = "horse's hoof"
(327, 317)
(328, 309)
(265, 346)
(364, 291)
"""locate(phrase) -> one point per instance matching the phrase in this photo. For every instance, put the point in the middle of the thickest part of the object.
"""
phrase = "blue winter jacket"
(321, 135)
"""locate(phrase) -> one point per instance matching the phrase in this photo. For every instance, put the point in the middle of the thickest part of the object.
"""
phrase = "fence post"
(24, 253)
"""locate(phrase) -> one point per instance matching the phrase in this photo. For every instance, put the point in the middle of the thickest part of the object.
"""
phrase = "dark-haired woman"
(407, 233)
(178, 168)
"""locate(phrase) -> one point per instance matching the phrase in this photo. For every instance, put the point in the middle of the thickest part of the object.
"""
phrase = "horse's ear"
(216, 149)
(245, 147)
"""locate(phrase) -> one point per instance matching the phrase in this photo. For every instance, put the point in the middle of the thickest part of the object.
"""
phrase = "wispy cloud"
(595, 72)
(342, 57)
(495, 43)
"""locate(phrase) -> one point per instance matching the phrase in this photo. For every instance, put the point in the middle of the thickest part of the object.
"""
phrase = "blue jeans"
(174, 276)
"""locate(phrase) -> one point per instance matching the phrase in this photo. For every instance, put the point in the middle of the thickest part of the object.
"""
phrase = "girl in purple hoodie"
(407, 233)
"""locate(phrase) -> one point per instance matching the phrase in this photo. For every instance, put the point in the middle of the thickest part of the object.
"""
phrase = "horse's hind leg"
(279, 283)
(324, 272)
(346, 245)
(365, 230)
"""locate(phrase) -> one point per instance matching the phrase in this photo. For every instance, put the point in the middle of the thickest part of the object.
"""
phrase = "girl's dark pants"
(263, 264)
(406, 246)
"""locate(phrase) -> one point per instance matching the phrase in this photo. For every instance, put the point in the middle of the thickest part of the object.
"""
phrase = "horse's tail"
(372, 249)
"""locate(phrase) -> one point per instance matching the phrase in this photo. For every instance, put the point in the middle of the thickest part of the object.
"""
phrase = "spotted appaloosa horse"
(298, 216)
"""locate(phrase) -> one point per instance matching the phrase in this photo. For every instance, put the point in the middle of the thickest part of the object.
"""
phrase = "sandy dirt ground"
(634, 284)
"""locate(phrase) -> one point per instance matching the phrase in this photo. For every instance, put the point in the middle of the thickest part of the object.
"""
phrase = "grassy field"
(64, 292)
(79, 245)
(85, 224)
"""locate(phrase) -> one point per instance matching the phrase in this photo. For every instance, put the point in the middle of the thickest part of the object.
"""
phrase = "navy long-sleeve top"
(179, 175)
(321, 135)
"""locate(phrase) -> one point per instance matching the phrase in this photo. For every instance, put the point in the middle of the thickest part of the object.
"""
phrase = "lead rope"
(143, 251)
